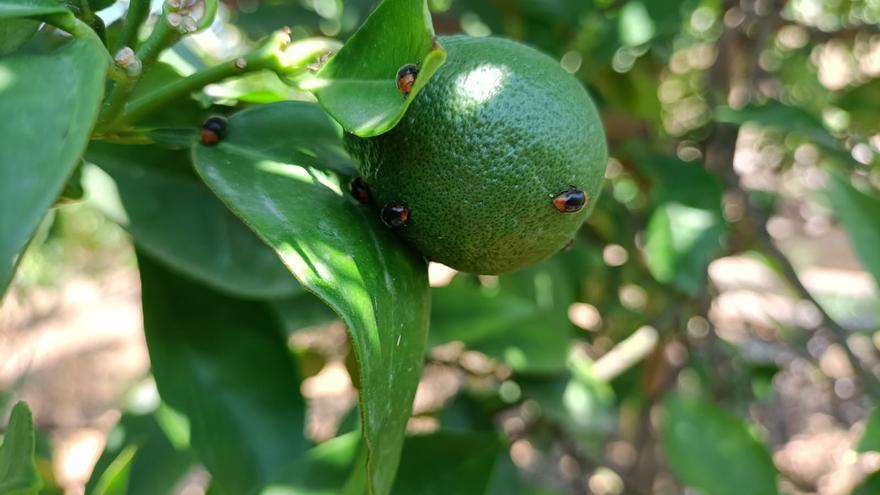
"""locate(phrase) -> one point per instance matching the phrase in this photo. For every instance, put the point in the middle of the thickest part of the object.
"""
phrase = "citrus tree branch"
(276, 54)
(163, 36)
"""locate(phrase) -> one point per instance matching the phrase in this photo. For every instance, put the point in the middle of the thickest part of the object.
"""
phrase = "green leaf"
(114, 479)
(870, 441)
(97, 5)
(358, 86)
(29, 8)
(870, 486)
(18, 472)
(153, 193)
(505, 326)
(445, 462)
(223, 364)
(539, 344)
(685, 228)
(860, 102)
(271, 173)
(859, 213)
(713, 451)
(155, 468)
(15, 32)
(466, 312)
(430, 464)
(49, 104)
(321, 471)
(302, 311)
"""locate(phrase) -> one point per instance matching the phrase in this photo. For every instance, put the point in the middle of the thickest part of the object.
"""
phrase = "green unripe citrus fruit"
(499, 132)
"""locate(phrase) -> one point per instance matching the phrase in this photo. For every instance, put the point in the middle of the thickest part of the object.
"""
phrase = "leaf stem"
(134, 18)
(65, 22)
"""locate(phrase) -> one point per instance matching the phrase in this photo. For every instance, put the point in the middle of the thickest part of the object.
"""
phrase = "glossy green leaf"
(29, 8)
(358, 86)
(685, 228)
(713, 451)
(222, 364)
(153, 193)
(444, 462)
(155, 466)
(302, 310)
(870, 441)
(870, 485)
(467, 412)
(273, 172)
(41, 137)
(114, 480)
(469, 313)
(18, 472)
(15, 32)
(505, 326)
(323, 470)
(430, 464)
(539, 344)
(97, 5)
(860, 102)
(859, 213)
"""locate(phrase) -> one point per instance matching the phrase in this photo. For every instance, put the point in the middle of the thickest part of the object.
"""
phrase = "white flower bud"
(197, 10)
(190, 25)
(174, 19)
(127, 60)
(124, 57)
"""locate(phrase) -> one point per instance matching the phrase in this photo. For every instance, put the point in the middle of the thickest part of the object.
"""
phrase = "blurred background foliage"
(715, 325)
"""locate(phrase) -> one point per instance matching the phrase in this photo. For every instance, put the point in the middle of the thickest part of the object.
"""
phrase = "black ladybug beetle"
(570, 201)
(395, 215)
(406, 77)
(213, 131)
(359, 189)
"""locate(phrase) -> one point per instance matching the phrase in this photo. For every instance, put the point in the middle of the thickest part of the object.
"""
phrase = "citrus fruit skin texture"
(485, 147)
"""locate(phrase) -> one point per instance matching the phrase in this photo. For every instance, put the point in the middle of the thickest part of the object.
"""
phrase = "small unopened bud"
(240, 63)
(174, 19)
(185, 15)
(190, 25)
(124, 56)
(126, 59)
(197, 10)
(285, 33)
